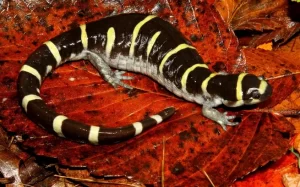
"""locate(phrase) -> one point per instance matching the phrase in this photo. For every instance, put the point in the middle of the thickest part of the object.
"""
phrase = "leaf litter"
(193, 146)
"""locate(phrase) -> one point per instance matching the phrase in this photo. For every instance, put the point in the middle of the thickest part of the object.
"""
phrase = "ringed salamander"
(140, 43)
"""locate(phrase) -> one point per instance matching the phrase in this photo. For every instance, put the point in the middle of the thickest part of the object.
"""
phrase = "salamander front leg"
(217, 116)
(112, 77)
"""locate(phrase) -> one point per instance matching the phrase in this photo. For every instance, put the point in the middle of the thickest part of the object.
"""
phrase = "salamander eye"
(255, 94)
(261, 77)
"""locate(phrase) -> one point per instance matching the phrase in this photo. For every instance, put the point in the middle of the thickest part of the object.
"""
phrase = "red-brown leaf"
(272, 177)
(194, 144)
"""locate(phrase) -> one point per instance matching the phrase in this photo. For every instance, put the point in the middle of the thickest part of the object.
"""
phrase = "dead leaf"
(271, 177)
(193, 143)
(291, 180)
(273, 19)
(18, 168)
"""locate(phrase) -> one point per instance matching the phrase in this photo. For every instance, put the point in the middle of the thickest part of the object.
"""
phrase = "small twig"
(296, 154)
(281, 76)
(163, 164)
(99, 181)
(10, 141)
(285, 113)
(27, 185)
(288, 113)
(206, 175)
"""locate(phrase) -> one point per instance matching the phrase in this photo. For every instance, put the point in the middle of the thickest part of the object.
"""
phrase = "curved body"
(141, 43)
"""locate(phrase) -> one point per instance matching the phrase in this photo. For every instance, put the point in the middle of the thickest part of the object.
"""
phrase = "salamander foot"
(115, 79)
(222, 118)
(112, 77)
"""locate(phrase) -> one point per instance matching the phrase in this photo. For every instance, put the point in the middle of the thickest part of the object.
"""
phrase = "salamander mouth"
(252, 101)
(263, 98)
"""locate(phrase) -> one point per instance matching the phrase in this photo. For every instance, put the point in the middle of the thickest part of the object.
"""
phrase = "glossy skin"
(139, 43)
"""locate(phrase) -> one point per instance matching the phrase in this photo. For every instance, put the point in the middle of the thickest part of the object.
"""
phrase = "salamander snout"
(258, 93)
(249, 90)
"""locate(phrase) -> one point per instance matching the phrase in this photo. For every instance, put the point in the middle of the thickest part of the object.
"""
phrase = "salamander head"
(249, 89)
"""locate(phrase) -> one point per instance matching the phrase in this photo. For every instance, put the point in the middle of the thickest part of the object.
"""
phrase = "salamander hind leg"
(222, 118)
(112, 77)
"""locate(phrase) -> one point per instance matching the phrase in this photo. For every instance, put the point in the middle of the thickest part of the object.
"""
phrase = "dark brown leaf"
(275, 20)
(18, 168)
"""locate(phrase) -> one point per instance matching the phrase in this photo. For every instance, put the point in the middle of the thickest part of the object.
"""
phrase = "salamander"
(139, 43)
